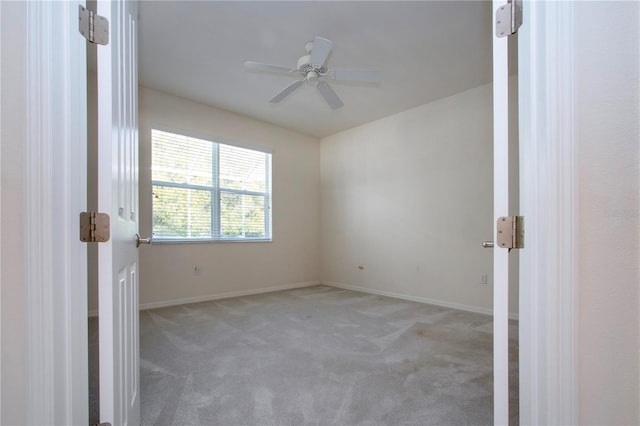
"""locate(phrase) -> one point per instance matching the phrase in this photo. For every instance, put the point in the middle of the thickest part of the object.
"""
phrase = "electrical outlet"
(197, 270)
(484, 279)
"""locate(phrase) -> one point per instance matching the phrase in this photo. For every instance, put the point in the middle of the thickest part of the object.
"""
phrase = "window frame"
(215, 191)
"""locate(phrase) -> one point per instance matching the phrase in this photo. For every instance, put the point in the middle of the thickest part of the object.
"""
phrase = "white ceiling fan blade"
(320, 51)
(364, 76)
(286, 92)
(258, 66)
(329, 95)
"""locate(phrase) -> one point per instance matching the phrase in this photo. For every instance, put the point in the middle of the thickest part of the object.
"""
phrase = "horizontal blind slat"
(184, 189)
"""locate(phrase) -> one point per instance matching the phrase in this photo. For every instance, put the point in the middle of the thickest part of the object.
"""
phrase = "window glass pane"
(242, 169)
(181, 212)
(208, 191)
(241, 215)
(181, 159)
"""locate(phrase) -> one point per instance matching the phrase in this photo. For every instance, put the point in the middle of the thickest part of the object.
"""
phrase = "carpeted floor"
(318, 356)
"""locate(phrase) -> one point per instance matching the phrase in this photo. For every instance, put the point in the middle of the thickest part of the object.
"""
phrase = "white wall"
(409, 198)
(13, 135)
(167, 270)
(607, 123)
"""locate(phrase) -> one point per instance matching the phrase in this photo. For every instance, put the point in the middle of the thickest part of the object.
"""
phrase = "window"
(205, 191)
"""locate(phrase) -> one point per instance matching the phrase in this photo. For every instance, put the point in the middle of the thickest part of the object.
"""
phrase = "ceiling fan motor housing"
(304, 66)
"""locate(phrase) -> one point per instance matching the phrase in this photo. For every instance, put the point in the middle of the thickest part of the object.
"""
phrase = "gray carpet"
(318, 356)
(94, 372)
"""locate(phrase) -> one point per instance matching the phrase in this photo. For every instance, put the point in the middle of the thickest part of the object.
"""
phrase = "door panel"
(500, 208)
(118, 195)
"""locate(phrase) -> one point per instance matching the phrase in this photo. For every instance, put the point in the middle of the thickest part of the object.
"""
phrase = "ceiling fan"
(313, 69)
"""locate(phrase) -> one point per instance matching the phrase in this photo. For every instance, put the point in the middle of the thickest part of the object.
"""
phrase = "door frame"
(55, 192)
(548, 200)
(55, 283)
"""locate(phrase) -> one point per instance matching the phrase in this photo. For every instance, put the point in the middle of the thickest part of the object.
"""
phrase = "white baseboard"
(227, 295)
(217, 296)
(419, 299)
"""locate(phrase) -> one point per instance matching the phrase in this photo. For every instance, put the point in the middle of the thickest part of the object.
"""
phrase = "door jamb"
(548, 199)
(54, 195)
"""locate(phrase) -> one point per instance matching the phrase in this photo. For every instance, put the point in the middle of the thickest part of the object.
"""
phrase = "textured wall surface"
(12, 297)
(409, 198)
(607, 123)
(167, 270)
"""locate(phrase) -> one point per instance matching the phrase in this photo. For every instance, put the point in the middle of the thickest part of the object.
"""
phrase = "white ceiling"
(424, 50)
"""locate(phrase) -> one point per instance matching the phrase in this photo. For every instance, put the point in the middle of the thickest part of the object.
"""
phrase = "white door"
(500, 208)
(118, 196)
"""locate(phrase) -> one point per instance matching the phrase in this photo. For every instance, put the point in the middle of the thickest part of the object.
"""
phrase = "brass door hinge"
(94, 227)
(510, 231)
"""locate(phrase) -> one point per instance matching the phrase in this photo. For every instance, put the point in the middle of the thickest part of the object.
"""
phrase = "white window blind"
(204, 190)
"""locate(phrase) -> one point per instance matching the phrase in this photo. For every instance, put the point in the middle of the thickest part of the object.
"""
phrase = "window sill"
(209, 241)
